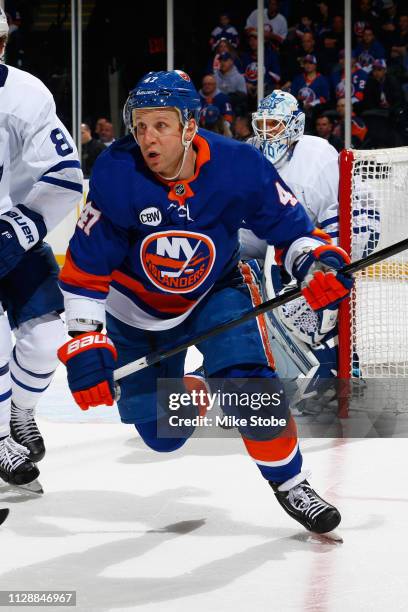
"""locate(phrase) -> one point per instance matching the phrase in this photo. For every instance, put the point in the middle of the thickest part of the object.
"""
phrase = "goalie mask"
(278, 124)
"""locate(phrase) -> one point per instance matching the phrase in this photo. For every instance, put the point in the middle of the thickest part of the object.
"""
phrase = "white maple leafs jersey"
(39, 165)
(312, 172)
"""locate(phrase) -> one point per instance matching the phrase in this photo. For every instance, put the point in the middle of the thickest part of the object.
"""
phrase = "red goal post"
(373, 213)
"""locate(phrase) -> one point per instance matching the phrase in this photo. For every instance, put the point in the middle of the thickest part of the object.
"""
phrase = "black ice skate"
(24, 430)
(302, 503)
(15, 466)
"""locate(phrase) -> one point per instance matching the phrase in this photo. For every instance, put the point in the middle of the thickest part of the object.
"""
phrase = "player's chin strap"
(186, 144)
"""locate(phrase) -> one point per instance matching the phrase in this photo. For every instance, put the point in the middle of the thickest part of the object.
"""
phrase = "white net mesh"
(379, 305)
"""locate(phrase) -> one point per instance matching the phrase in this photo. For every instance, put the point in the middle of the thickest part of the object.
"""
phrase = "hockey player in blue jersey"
(155, 257)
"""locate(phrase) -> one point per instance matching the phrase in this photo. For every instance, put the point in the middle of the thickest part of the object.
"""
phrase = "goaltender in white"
(309, 165)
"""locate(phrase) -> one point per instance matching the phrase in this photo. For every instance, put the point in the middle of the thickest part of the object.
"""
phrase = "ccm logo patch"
(177, 261)
(150, 216)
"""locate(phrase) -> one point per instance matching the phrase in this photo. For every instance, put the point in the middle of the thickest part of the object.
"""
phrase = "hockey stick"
(4, 512)
(279, 300)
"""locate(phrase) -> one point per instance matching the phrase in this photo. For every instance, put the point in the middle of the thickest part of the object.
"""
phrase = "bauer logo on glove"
(78, 344)
(90, 361)
(323, 286)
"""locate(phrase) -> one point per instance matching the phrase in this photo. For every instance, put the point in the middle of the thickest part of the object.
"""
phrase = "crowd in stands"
(93, 143)
(304, 54)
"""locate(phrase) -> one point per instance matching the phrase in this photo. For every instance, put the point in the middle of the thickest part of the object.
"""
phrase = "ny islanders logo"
(177, 261)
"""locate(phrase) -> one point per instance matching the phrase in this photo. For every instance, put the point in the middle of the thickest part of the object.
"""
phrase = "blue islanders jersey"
(149, 250)
(358, 82)
(311, 91)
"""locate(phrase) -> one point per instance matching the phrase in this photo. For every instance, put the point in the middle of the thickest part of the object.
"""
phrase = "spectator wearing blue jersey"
(249, 62)
(368, 50)
(358, 80)
(212, 120)
(292, 56)
(225, 30)
(210, 94)
(311, 88)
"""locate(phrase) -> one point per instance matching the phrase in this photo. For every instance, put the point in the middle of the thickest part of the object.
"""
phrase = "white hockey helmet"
(275, 139)
(4, 28)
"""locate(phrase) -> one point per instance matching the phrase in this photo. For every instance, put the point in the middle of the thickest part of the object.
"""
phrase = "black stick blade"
(4, 512)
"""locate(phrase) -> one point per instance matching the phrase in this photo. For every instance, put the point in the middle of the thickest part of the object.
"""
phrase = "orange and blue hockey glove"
(90, 361)
(321, 283)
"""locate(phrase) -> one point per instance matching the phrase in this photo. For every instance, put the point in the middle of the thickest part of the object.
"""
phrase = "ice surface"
(198, 529)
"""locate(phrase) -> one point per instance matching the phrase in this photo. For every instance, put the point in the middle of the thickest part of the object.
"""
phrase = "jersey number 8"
(61, 143)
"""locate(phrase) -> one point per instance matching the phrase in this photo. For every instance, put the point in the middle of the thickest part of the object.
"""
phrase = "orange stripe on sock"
(276, 449)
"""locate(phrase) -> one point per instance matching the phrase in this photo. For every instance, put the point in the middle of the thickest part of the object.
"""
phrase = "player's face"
(270, 128)
(158, 133)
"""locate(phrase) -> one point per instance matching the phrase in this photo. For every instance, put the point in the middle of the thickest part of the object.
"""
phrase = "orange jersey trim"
(72, 275)
(168, 303)
(256, 300)
(322, 235)
(203, 156)
(276, 449)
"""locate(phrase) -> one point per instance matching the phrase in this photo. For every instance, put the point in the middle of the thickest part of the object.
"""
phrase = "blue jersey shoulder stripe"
(70, 163)
(61, 183)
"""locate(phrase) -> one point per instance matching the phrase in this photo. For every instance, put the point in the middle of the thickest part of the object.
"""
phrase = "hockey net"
(373, 324)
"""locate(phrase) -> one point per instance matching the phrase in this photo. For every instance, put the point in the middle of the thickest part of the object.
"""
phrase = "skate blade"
(330, 536)
(32, 487)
